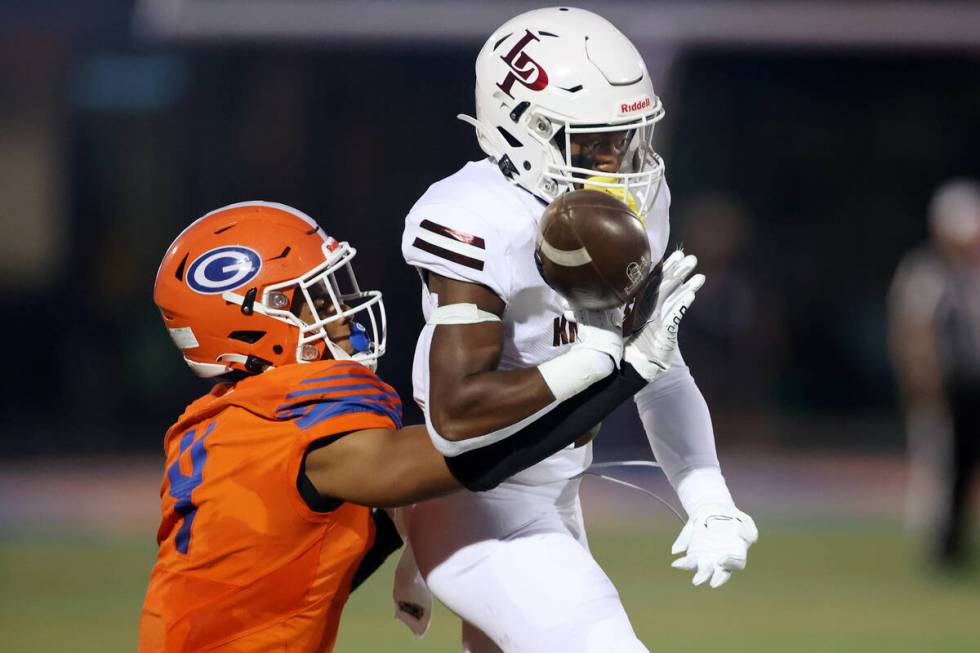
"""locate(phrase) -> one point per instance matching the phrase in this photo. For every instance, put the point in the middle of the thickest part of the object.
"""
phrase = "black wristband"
(484, 468)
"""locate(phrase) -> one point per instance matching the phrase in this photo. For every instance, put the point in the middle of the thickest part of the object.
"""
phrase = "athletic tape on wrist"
(574, 371)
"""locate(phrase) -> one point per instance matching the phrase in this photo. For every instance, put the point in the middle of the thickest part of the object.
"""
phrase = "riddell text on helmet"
(638, 105)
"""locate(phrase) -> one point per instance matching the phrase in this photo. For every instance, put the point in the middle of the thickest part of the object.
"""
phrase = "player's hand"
(599, 330)
(715, 541)
(651, 347)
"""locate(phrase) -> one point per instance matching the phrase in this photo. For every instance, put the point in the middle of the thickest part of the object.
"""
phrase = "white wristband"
(574, 371)
(703, 486)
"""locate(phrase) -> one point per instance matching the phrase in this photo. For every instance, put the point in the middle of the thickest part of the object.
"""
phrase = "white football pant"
(514, 564)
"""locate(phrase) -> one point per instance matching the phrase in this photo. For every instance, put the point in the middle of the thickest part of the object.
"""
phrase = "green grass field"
(831, 587)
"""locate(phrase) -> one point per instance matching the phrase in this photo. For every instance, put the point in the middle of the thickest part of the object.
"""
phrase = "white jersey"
(476, 226)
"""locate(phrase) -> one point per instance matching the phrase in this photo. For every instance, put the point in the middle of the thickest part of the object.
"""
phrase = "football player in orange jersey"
(263, 526)
(265, 521)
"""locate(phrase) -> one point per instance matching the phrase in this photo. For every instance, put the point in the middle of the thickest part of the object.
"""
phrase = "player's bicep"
(461, 347)
(379, 467)
(459, 351)
(453, 291)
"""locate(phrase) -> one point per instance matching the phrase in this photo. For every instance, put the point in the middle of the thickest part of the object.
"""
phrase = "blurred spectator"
(935, 343)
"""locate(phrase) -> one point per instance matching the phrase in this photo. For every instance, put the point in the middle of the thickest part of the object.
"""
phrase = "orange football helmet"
(234, 284)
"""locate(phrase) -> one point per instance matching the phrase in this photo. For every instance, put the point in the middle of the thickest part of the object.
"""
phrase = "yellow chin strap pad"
(619, 193)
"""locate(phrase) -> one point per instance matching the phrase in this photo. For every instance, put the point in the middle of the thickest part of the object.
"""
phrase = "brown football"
(592, 250)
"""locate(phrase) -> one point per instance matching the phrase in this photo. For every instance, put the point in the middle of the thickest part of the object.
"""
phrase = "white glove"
(413, 600)
(652, 347)
(716, 540)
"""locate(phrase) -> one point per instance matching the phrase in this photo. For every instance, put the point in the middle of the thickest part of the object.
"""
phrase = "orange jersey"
(243, 563)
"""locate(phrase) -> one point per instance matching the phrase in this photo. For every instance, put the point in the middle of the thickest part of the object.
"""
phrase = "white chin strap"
(207, 370)
(487, 138)
(337, 352)
(211, 370)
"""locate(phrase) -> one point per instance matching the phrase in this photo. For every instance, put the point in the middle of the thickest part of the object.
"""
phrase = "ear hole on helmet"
(251, 337)
(511, 140)
(180, 268)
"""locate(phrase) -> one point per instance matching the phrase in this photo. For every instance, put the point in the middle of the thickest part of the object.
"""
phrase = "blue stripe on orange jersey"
(341, 388)
(324, 379)
(344, 409)
(350, 404)
(325, 396)
(356, 389)
(375, 397)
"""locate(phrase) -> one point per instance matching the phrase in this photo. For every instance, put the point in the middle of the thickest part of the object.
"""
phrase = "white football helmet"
(549, 74)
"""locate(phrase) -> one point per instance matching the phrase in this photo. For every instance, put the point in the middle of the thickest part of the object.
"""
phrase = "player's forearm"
(484, 468)
(381, 467)
(566, 376)
(678, 425)
(485, 402)
(468, 396)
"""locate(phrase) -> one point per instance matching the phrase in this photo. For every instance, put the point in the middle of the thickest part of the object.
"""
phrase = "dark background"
(803, 141)
(827, 157)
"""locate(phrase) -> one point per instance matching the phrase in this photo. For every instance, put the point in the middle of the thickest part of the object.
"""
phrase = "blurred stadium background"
(803, 141)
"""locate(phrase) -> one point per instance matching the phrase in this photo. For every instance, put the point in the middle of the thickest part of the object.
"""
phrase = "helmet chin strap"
(337, 352)
(487, 137)
(359, 340)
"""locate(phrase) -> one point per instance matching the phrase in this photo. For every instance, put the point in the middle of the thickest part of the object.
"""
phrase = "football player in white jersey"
(563, 101)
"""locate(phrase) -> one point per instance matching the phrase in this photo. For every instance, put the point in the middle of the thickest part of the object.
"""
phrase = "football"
(592, 250)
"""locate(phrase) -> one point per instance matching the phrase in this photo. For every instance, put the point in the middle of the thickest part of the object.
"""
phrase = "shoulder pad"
(333, 388)
(450, 241)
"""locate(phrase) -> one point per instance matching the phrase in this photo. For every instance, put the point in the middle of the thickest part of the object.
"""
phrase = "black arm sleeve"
(484, 468)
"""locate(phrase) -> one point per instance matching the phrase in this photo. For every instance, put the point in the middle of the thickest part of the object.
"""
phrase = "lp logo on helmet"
(523, 68)
(222, 269)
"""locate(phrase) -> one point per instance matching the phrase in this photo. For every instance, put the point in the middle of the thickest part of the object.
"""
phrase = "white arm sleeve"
(677, 423)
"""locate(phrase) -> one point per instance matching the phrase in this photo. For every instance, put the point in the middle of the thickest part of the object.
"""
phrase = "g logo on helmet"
(222, 269)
